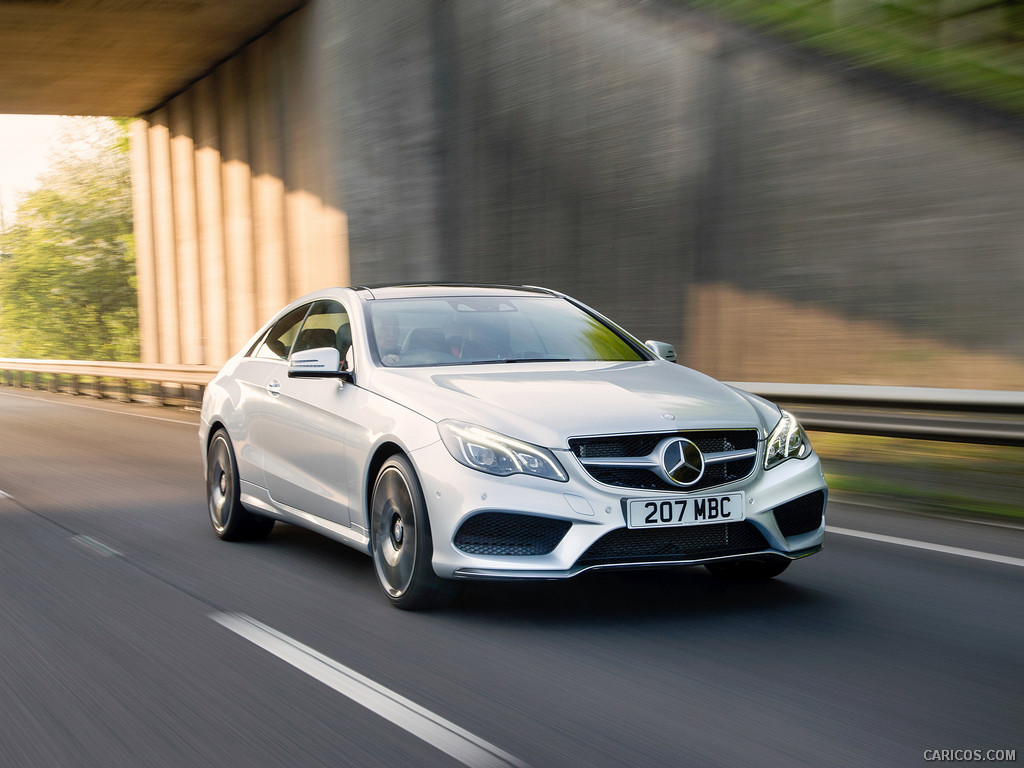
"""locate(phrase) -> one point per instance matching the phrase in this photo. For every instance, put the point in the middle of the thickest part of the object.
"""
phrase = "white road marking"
(105, 410)
(1019, 562)
(422, 723)
(98, 546)
(5, 495)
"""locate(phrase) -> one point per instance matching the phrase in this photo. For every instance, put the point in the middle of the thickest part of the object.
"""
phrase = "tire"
(231, 521)
(400, 540)
(749, 570)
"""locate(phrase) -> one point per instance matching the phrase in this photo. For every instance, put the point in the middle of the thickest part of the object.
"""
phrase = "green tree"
(67, 270)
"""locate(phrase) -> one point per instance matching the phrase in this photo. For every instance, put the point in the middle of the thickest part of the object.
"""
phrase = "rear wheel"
(748, 570)
(401, 541)
(231, 521)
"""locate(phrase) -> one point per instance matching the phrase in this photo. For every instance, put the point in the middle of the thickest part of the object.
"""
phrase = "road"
(117, 602)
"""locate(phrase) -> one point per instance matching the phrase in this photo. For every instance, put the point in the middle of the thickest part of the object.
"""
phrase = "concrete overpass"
(775, 216)
(134, 57)
(118, 57)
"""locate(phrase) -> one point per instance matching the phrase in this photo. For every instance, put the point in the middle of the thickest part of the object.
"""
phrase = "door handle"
(274, 388)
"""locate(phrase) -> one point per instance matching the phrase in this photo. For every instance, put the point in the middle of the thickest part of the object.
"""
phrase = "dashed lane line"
(958, 551)
(422, 723)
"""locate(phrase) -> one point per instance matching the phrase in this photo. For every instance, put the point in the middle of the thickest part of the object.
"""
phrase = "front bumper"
(454, 493)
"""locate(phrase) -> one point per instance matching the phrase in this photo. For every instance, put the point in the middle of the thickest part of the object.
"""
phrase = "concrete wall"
(773, 217)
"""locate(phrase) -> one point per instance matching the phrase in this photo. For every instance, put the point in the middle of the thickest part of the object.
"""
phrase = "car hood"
(545, 403)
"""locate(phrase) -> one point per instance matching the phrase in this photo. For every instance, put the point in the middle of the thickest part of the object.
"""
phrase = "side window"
(326, 325)
(279, 338)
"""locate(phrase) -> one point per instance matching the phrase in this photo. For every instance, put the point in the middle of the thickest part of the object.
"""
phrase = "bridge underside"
(118, 57)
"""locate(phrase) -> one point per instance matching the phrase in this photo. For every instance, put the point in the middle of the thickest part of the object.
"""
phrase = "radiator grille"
(710, 442)
(506, 533)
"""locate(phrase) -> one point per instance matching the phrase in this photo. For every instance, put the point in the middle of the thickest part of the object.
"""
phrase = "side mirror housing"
(319, 363)
(662, 349)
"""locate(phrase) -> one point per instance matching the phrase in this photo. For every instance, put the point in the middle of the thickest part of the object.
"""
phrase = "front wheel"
(231, 521)
(748, 570)
(400, 539)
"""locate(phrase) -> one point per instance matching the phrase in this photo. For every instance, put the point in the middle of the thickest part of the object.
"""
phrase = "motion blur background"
(823, 192)
(818, 192)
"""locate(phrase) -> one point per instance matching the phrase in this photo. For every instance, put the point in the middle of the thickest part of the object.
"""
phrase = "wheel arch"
(383, 452)
(215, 425)
(207, 440)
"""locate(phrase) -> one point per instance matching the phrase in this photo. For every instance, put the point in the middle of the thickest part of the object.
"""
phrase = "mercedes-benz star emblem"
(683, 461)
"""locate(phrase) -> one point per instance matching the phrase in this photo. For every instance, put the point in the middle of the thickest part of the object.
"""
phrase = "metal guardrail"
(985, 417)
(979, 416)
(165, 383)
(926, 398)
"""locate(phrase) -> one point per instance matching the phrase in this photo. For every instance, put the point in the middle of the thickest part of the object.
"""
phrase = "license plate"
(692, 510)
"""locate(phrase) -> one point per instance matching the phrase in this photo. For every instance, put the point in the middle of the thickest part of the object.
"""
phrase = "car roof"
(435, 290)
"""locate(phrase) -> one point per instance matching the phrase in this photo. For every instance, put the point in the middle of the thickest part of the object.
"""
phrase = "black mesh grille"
(620, 445)
(629, 545)
(632, 446)
(801, 515)
(709, 441)
(505, 533)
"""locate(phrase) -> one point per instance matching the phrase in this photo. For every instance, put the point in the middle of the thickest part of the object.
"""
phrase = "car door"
(304, 422)
(267, 360)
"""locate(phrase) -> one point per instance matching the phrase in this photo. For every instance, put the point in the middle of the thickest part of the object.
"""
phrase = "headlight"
(788, 441)
(487, 451)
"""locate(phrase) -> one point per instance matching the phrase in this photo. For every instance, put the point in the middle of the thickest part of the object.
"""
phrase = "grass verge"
(928, 476)
(922, 500)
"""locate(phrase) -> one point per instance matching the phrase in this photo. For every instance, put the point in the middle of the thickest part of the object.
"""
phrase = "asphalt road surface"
(131, 636)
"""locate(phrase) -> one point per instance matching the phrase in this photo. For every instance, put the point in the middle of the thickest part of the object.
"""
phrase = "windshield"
(477, 330)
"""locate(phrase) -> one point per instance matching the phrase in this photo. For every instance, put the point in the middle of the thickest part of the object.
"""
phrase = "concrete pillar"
(206, 127)
(190, 300)
(240, 286)
(145, 258)
(320, 25)
(164, 238)
(302, 206)
(272, 278)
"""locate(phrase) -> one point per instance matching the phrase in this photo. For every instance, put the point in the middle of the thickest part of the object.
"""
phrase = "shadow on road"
(631, 596)
(610, 596)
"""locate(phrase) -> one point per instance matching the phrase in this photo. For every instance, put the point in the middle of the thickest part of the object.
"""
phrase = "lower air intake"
(629, 545)
(509, 534)
(801, 515)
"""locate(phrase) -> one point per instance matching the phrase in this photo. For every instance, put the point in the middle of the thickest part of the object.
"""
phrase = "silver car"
(487, 432)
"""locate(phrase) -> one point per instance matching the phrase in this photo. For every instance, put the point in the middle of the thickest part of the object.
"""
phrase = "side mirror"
(319, 363)
(662, 349)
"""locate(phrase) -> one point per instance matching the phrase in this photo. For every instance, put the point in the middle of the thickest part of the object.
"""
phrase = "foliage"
(969, 48)
(67, 263)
